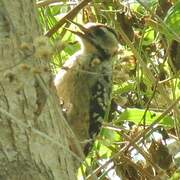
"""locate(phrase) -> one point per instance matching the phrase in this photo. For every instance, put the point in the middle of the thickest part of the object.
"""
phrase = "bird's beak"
(84, 31)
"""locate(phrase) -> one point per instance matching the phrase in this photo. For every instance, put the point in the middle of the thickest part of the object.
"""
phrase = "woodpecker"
(84, 82)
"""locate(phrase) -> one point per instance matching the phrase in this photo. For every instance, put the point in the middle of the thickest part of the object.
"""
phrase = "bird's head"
(98, 39)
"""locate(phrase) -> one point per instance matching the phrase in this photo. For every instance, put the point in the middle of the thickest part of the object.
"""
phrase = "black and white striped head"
(98, 38)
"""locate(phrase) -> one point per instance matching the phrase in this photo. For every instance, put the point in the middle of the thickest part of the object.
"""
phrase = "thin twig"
(156, 121)
(161, 22)
(147, 71)
(70, 15)
(143, 153)
(45, 3)
(148, 104)
(141, 170)
(42, 4)
(137, 138)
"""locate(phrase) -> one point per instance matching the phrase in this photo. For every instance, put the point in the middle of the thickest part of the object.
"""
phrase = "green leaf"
(111, 135)
(124, 87)
(136, 115)
(55, 10)
(148, 37)
(173, 21)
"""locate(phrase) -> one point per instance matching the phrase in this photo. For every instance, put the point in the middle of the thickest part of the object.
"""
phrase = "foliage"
(134, 142)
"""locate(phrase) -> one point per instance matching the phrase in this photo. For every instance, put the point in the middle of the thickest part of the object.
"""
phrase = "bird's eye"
(99, 32)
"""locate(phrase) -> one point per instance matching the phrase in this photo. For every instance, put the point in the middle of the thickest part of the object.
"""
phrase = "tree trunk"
(33, 133)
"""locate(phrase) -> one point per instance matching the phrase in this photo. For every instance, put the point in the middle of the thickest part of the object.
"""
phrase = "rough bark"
(33, 143)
